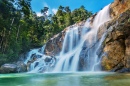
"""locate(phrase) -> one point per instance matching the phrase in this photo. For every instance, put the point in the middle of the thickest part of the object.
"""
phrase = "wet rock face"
(114, 54)
(117, 45)
(127, 52)
(54, 45)
(48, 59)
(83, 59)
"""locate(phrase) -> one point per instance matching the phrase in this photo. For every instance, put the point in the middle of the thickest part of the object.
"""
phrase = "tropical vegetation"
(21, 29)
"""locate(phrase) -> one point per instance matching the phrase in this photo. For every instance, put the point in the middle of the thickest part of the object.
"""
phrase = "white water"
(75, 39)
(36, 59)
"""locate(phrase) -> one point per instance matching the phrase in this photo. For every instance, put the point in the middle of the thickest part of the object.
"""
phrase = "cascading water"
(38, 62)
(74, 41)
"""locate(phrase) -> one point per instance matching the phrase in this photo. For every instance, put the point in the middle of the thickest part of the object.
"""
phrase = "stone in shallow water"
(9, 68)
(21, 67)
(48, 59)
(13, 68)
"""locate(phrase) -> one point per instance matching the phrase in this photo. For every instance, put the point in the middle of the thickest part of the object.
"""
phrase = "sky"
(90, 5)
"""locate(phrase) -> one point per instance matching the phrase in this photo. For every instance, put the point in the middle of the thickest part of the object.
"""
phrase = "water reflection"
(118, 79)
(66, 79)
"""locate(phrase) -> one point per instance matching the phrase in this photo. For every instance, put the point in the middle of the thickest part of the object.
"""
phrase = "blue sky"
(90, 5)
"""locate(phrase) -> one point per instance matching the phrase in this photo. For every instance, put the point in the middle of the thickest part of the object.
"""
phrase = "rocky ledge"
(116, 49)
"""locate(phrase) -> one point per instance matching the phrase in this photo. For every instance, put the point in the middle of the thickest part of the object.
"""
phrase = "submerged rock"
(48, 59)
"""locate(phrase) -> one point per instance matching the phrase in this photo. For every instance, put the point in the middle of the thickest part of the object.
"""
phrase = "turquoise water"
(65, 79)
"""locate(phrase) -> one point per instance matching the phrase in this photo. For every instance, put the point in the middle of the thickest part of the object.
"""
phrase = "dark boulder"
(48, 59)
(124, 70)
(21, 66)
(8, 68)
(13, 67)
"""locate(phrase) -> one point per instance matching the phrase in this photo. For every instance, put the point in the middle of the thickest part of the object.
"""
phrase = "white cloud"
(54, 10)
(39, 14)
(50, 11)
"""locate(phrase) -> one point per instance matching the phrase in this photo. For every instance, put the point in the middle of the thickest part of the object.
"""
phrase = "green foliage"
(129, 20)
(64, 17)
(21, 29)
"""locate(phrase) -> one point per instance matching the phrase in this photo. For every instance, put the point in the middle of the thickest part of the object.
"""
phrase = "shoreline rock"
(18, 67)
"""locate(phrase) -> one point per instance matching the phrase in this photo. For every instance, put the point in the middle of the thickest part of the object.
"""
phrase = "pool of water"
(65, 79)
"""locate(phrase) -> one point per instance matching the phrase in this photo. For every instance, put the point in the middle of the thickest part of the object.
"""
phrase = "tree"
(61, 8)
(44, 12)
(67, 9)
(21, 29)
(80, 14)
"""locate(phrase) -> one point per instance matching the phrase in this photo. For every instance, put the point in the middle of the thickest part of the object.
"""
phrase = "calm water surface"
(65, 79)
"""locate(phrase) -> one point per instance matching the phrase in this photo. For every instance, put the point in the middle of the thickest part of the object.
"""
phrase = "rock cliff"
(116, 46)
(116, 49)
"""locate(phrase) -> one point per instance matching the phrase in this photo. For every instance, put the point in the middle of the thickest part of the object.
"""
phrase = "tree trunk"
(17, 33)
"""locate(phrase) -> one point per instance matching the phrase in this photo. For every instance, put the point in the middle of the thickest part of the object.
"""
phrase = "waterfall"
(76, 38)
(37, 61)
